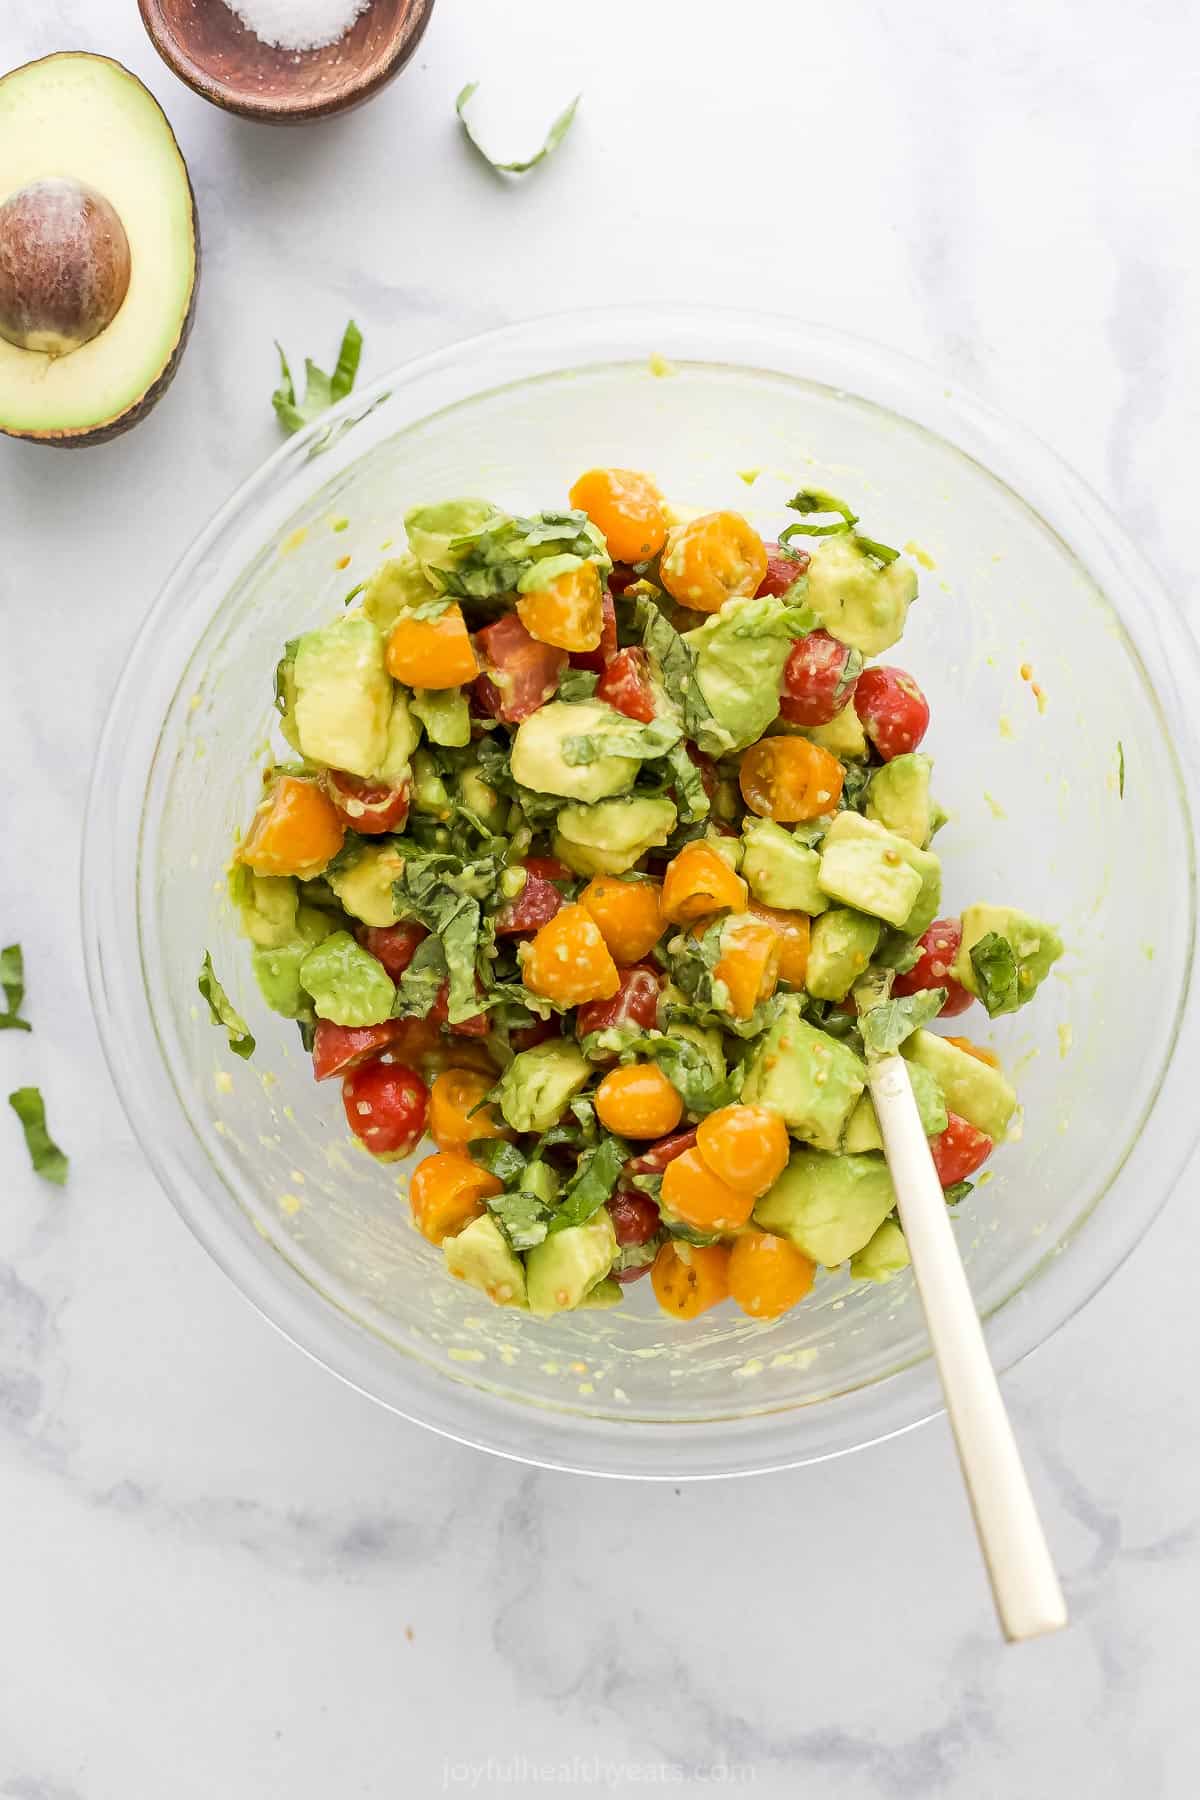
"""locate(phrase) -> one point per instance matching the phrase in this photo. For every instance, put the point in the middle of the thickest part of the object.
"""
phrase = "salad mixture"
(603, 858)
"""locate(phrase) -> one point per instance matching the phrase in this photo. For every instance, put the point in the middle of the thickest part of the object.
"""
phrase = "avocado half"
(99, 250)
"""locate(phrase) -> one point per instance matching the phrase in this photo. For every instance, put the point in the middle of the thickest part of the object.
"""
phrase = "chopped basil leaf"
(554, 136)
(689, 1071)
(48, 1160)
(222, 1010)
(421, 983)
(525, 1217)
(576, 684)
(321, 390)
(639, 742)
(352, 596)
(676, 666)
(856, 780)
(499, 1158)
(816, 500)
(592, 1183)
(958, 1190)
(995, 964)
(12, 980)
(690, 794)
(1120, 768)
(885, 1027)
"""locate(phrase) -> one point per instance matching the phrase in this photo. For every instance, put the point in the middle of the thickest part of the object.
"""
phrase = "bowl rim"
(562, 342)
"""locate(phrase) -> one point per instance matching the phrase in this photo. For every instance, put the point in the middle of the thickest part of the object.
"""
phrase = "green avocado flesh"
(86, 119)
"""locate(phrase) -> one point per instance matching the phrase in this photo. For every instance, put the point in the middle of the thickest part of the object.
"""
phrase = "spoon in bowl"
(1025, 1586)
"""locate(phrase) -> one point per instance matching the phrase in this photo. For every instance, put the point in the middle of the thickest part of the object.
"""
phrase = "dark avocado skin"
(133, 415)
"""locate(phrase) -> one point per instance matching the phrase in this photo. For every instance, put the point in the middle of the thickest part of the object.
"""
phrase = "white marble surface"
(223, 1573)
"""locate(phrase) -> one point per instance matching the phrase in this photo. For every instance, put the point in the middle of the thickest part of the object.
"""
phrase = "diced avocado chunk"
(433, 529)
(780, 869)
(394, 588)
(849, 828)
(874, 878)
(537, 760)
(539, 1084)
(343, 696)
(809, 1077)
(613, 835)
(285, 694)
(277, 970)
(883, 1257)
(741, 652)
(863, 1133)
(348, 985)
(363, 883)
(266, 906)
(480, 1254)
(855, 599)
(445, 715)
(899, 798)
(403, 736)
(973, 1089)
(843, 942)
(829, 1206)
(429, 792)
(605, 1293)
(1011, 969)
(567, 1265)
(843, 736)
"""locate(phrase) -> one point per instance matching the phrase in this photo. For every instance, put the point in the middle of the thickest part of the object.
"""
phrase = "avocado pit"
(64, 266)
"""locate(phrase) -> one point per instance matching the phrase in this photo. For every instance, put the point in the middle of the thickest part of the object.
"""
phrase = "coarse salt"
(298, 24)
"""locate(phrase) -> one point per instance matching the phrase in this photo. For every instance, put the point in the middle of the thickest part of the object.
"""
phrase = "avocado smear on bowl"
(588, 825)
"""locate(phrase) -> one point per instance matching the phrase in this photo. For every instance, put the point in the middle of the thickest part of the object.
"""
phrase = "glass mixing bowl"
(1074, 807)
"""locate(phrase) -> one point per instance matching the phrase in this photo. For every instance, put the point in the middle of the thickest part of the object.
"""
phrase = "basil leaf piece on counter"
(48, 1160)
(12, 980)
(554, 136)
(223, 1011)
(995, 964)
(591, 1185)
(321, 390)
(885, 1027)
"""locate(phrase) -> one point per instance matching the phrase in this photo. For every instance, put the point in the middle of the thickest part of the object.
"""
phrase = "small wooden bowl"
(206, 45)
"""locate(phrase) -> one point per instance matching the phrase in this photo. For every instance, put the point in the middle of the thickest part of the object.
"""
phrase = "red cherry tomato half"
(634, 1003)
(819, 679)
(520, 674)
(625, 685)
(939, 947)
(634, 1217)
(368, 807)
(534, 906)
(340, 1048)
(654, 1160)
(959, 1150)
(893, 710)
(394, 945)
(782, 569)
(596, 659)
(386, 1106)
(623, 575)
(439, 1014)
